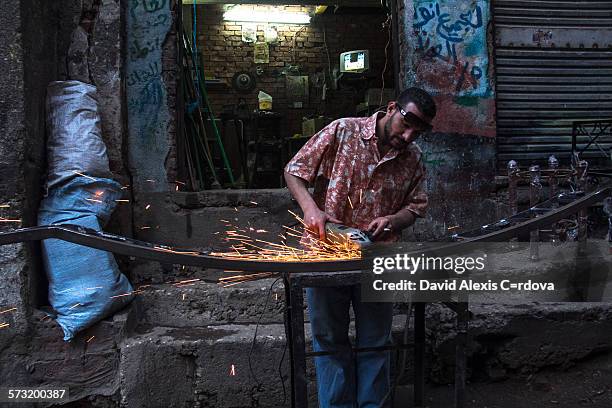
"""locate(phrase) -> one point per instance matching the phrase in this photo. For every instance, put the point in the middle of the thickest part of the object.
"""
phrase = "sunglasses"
(414, 120)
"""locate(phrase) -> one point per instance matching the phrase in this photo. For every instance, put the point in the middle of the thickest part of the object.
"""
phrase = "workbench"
(296, 339)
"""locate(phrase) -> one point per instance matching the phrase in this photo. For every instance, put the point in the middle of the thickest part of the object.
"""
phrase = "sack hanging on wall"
(75, 137)
(249, 32)
(85, 284)
(261, 53)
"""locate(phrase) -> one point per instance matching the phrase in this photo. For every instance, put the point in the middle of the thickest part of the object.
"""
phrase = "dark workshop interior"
(295, 63)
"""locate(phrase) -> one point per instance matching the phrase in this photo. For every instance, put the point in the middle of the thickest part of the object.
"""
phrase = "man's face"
(404, 125)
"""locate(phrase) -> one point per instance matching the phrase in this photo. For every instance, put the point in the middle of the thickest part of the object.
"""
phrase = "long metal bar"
(298, 346)
(146, 250)
(419, 354)
(460, 353)
(289, 332)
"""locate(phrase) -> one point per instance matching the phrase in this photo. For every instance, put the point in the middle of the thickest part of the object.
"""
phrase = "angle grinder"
(341, 234)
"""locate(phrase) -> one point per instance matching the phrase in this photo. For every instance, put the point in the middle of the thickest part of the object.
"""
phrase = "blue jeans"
(345, 380)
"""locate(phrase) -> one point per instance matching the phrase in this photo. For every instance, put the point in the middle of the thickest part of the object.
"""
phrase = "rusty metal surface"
(599, 145)
(553, 66)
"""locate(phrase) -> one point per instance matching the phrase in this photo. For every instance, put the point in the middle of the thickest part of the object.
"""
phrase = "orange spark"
(83, 175)
(125, 294)
(8, 310)
(186, 281)
(4, 325)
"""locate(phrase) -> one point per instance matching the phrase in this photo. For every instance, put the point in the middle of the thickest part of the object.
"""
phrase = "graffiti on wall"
(148, 24)
(450, 39)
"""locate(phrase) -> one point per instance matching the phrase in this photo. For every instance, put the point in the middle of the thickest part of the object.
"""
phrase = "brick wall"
(224, 53)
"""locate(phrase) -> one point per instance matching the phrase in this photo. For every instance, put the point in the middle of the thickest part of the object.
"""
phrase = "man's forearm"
(299, 190)
(402, 219)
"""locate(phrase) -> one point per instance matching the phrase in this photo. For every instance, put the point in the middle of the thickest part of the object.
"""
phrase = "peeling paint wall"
(445, 48)
(148, 25)
(453, 40)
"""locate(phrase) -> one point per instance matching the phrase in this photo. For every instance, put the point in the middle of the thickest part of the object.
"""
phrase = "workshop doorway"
(260, 79)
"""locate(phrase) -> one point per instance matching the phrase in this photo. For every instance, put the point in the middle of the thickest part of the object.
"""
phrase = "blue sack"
(85, 284)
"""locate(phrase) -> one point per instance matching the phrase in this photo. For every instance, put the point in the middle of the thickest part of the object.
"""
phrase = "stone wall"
(23, 44)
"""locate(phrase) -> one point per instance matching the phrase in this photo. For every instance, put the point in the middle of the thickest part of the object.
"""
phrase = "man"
(367, 173)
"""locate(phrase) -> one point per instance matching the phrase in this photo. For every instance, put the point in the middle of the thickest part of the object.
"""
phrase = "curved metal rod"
(146, 250)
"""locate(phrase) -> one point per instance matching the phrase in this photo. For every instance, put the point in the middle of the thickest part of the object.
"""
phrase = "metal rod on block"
(460, 353)
(419, 354)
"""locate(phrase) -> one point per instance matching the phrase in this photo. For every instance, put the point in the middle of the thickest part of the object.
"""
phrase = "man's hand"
(315, 220)
(380, 227)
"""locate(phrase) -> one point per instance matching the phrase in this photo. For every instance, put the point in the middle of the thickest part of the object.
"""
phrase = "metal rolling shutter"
(553, 66)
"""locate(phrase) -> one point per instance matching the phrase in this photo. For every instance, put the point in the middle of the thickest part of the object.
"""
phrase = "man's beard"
(400, 144)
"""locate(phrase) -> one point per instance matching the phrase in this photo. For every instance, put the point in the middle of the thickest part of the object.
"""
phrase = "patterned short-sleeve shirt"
(352, 182)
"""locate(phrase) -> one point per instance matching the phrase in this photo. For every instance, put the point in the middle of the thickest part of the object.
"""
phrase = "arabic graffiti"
(148, 24)
(150, 6)
(454, 34)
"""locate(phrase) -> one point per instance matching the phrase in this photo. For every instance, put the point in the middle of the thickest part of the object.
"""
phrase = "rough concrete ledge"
(88, 365)
(518, 340)
(203, 367)
(204, 303)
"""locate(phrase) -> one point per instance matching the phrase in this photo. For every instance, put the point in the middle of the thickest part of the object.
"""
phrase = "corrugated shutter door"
(553, 66)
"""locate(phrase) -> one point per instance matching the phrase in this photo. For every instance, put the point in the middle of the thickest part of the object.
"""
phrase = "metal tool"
(341, 234)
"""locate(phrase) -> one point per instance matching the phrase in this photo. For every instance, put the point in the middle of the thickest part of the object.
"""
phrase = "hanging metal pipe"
(513, 177)
(553, 165)
(581, 176)
(553, 185)
(607, 208)
(535, 186)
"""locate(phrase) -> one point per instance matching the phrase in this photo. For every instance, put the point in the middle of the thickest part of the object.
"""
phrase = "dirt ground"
(587, 384)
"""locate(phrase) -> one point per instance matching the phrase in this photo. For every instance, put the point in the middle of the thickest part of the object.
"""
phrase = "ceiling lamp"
(271, 16)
